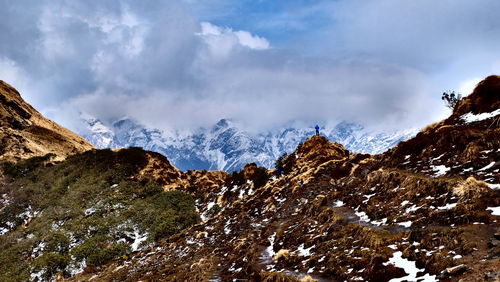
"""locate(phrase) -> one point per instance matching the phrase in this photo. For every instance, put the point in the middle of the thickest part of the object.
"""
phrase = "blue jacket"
(317, 127)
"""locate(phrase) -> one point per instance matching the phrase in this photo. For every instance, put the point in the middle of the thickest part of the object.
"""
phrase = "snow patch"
(383, 221)
(440, 170)
(447, 206)
(410, 267)
(304, 252)
(494, 186)
(495, 210)
(338, 203)
(487, 167)
(470, 117)
(406, 224)
(138, 239)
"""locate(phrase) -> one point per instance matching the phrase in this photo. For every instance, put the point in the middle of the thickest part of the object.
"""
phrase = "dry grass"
(200, 235)
(470, 189)
(283, 253)
(307, 278)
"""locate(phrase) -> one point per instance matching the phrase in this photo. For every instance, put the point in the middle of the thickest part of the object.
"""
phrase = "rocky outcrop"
(25, 133)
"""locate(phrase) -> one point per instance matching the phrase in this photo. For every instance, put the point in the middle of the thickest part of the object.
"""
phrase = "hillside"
(227, 146)
(428, 209)
(59, 220)
(25, 133)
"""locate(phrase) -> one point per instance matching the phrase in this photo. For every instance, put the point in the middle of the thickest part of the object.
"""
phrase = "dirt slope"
(25, 133)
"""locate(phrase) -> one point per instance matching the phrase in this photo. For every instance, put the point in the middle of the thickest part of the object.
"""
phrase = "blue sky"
(281, 21)
(189, 63)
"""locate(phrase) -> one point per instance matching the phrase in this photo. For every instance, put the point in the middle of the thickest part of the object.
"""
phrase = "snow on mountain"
(227, 147)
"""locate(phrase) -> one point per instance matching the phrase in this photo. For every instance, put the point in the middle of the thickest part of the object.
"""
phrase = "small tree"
(451, 99)
(279, 163)
(284, 163)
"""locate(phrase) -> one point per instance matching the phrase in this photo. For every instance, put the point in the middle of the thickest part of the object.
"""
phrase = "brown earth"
(25, 133)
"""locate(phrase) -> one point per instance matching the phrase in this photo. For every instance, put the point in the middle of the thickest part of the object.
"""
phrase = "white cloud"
(222, 40)
(10, 72)
(466, 87)
(254, 42)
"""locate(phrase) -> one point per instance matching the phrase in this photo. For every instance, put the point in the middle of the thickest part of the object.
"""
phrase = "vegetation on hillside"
(451, 99)
(83, 212)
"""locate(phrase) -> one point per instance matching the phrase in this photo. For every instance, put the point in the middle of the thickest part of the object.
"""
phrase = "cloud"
(223, 41)
(380, 63)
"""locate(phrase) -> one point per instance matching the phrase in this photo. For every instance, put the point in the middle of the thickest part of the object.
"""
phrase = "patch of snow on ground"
(3, 231)
(394, 247)
(447, 206)
(362, 216)
(404, 203)
(406, 224)
(435, 159)
(269, 250)
(37, 276)
(440, 170)
(76, 268)
(304, 252)
(90, 211)
(412, 209)
(494, 186)
(368, 197)
(383, 221)
(227, 228)
(204, 216)
(495, 210)
(487, 167)
(138, 239)
(409, 267)
(338, 203)
(470, 117)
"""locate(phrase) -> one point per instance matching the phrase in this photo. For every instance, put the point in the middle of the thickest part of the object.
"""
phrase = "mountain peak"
(222, 124)
(319, 147)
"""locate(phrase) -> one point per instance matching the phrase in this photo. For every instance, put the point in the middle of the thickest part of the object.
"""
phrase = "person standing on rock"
(317, 130)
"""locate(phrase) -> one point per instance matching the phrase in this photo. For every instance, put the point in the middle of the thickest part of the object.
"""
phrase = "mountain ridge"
(225, 146)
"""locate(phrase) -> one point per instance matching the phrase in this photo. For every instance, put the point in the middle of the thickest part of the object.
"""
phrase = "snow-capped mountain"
(227, 147)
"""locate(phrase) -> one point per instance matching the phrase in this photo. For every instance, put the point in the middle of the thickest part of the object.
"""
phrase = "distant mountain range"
(227, 147)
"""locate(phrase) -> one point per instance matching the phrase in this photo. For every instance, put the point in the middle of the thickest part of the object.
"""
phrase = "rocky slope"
(427, 209)
(226, 146)
(25, 133)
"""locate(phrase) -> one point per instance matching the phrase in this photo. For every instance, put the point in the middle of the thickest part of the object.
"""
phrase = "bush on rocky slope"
(83, 212)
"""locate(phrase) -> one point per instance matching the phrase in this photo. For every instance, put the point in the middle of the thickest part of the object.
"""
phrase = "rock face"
(25, 133)
(226, 146)
(421, 209)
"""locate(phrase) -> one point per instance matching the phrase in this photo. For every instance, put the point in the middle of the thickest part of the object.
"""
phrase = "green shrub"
(51, 263)
(89, 247)
(24, 167)
(237, 178)
(100, 257)
(57, 242)
(284, 163)
(260, 177)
